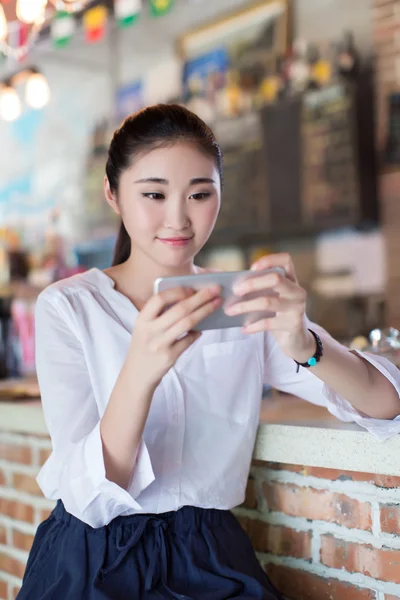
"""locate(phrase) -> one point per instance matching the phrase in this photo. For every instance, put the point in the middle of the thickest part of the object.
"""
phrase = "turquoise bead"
(312, 362)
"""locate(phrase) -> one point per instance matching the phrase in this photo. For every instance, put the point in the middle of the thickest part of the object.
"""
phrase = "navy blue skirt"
(191, 554)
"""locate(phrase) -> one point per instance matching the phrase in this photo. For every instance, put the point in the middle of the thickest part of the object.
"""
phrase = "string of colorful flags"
(65, 22)
(126, 12)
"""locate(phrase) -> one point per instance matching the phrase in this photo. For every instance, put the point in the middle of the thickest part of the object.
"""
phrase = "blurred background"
(303, 96)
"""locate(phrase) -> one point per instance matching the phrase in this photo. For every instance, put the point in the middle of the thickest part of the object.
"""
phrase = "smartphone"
(226, 280)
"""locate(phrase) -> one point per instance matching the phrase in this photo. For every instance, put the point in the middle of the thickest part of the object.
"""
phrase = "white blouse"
(199, 436)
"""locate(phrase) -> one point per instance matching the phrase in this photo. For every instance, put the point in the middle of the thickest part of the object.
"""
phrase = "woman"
(152, 424)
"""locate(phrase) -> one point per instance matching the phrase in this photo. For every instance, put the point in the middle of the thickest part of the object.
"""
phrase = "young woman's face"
(169, 201)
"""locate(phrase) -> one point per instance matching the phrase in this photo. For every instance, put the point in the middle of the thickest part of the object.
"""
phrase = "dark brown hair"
(154, 127)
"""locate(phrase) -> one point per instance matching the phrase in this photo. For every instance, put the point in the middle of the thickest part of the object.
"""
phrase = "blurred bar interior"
(303, 99)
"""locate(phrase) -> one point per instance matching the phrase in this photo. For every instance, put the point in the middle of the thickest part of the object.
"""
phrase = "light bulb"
(71, 3)
(37, 91)
(10, 104)
(71, 6)
(30, 11)
(3, 25)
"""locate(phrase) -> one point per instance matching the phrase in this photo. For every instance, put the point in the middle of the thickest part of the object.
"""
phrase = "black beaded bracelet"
(317, 356)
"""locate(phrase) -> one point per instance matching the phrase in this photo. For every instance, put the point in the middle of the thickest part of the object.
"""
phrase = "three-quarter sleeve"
(75, 471)
(280, 373)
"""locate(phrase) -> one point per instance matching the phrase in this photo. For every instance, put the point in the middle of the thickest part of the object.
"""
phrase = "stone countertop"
(291, 431)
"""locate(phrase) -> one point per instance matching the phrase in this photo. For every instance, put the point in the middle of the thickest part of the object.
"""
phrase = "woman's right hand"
(156, 340)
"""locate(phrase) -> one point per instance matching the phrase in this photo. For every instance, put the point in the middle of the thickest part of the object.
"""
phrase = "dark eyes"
(200, 196)
(154, 196)
(158, 196)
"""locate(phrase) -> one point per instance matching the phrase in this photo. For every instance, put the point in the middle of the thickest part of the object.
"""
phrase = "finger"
(185, 307)
(262, 304)
(274, 281)
(184, 343)
(281, 322)
(157, 303)
(261, 325)
(283, 260)
(209, 270)
(190, 321)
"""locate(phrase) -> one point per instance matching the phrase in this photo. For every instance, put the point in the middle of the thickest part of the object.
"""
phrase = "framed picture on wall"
(228, 61)
(256, 34)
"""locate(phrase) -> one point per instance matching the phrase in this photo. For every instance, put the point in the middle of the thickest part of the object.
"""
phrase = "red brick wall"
(386, 44)
(22, 506)
(323, 534)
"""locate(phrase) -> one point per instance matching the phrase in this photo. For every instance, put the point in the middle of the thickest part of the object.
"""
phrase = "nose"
(176, 215)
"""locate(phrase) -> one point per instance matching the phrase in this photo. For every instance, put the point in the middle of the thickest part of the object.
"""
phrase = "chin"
(175, 262)
(175, 258)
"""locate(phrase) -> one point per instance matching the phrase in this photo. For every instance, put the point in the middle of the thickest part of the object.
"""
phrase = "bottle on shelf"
(313, 56)
(299, 69)
(270, 88)
(322, 68)
(348, 58)
(7, 348)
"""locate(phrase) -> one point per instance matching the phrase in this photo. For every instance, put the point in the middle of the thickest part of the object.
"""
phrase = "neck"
(135, 278)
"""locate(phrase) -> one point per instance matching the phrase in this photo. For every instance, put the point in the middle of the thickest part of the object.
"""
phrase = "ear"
(111, 197)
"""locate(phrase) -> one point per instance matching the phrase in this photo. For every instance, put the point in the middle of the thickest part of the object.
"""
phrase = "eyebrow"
(162, 181)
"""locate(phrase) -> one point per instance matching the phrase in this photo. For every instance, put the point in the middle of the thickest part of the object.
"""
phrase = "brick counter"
(321, 533)
(22, 505)
(325, 534)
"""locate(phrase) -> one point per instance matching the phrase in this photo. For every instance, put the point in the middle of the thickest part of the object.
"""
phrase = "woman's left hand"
(289, 326)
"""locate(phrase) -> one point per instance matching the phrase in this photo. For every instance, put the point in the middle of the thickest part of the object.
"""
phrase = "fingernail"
(214, 289)
(231, 310)
(239, 289)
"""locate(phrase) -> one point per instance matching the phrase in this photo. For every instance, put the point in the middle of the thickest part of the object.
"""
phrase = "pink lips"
(176, 241)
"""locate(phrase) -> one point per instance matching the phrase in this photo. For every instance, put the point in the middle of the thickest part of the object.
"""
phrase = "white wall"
(319, 20)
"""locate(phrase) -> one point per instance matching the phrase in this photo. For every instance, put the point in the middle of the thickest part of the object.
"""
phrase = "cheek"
(208, 213)
(142, 217)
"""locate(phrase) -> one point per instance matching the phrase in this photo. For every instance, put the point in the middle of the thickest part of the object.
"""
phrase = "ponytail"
(122, 250)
